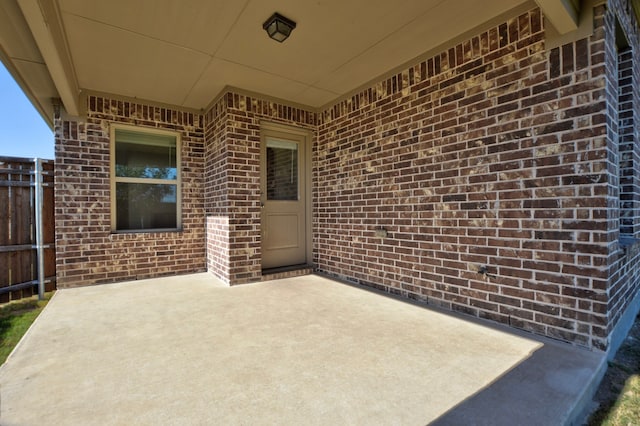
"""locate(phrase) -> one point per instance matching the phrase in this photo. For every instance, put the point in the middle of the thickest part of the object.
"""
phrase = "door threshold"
(286, 272)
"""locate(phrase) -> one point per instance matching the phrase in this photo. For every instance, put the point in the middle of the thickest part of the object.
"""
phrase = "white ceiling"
(185, 52)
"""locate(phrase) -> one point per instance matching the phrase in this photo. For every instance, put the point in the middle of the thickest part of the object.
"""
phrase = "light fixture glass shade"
(278, 27)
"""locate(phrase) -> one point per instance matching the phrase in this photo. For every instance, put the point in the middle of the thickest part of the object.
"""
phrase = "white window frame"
(114, 179)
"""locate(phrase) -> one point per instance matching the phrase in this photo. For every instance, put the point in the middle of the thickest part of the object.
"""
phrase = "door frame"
(307, 175)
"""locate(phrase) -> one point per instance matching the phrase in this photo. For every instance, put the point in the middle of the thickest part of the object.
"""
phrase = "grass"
(619, 393)
(626, 410)
(15, 320)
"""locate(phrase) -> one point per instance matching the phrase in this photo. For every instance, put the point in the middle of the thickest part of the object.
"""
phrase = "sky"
(23, 132)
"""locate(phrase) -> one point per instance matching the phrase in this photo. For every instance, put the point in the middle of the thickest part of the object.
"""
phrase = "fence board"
(4, 213)
(5, 270)
(21, 215)
(18, 254)
(50, 268)
(48, 221)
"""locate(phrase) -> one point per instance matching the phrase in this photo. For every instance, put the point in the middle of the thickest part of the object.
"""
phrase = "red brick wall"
(216, 190)
(623, 95)
(86, 250)
(491, 154)
(233, 144)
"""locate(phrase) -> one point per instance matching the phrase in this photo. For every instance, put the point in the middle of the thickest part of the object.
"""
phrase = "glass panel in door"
(282, 170)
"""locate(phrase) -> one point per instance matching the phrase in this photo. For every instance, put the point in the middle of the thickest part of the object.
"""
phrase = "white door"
(283, 192)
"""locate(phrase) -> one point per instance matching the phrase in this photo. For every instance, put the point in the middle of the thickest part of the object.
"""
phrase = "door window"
(282, 170)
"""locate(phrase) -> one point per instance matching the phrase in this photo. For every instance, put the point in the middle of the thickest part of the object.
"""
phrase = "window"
(145, 179)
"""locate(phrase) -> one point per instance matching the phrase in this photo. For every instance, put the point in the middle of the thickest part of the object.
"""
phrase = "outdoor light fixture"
(278, 27)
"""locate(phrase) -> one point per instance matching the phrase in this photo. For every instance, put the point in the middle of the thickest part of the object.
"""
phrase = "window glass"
(148, 161)
(145, 206)
(146, 180)
(282, 170)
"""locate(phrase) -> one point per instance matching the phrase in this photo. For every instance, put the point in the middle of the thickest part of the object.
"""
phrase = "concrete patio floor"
(307, 350)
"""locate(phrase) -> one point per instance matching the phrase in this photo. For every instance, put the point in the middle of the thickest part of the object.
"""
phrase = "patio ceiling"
(186, 52)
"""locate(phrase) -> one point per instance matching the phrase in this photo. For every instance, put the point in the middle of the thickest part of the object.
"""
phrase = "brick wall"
(623, 94)
(216, 190)
(492, 154)
(233, 206)
(86, 250)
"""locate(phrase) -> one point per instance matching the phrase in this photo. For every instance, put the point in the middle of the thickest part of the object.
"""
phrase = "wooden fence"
(24, 234)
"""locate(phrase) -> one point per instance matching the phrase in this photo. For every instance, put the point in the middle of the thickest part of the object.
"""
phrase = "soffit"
(20, 54)
(184, 52)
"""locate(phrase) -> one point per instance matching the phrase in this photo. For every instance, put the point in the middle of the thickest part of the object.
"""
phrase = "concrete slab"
(305, 350)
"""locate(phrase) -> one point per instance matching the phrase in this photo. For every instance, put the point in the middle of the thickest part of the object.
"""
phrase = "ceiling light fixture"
(278, 27)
